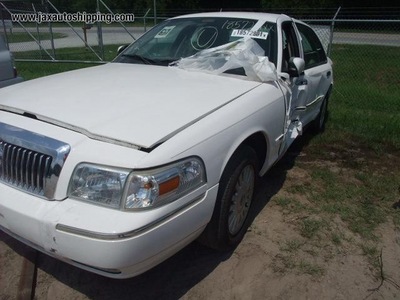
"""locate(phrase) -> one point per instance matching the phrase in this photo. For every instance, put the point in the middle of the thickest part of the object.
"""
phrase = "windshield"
(178, 38)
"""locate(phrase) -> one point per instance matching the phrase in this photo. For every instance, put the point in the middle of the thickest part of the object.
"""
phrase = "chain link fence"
(366, 57)
(353, 38)
(62, 41)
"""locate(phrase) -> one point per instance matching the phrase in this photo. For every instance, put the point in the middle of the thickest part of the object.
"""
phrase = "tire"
(229, 222)
(318, 125)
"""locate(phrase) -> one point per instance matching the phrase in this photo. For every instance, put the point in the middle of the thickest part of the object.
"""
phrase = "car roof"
(247, 15)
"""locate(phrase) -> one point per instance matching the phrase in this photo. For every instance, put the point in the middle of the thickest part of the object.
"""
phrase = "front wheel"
(236, 191)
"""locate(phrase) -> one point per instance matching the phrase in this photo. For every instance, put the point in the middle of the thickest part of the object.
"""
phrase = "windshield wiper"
(164, 62)
(143, 59)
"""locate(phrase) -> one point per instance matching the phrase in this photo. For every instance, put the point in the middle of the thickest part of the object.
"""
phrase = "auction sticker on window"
(253, 34)
(164, 32)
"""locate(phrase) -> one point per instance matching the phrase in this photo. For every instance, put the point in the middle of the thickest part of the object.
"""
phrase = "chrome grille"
(31, 162)
(24, 168)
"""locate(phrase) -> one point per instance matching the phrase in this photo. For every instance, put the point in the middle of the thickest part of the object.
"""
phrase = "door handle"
(328, 74)
(301, 82)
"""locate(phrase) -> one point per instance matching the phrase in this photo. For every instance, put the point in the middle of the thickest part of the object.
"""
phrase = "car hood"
(139, 105)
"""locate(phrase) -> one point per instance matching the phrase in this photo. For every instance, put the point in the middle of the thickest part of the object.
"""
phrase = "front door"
(295, 89)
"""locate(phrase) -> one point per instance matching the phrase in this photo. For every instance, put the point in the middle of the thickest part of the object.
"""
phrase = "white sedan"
(115, 168)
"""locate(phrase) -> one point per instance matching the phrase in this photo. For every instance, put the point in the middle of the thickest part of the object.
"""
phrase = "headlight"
(119, 188)
(164, 185)
(98, 184)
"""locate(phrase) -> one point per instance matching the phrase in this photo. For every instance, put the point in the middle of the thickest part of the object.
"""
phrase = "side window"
(314, 53)
(290, 47)
(269, 44)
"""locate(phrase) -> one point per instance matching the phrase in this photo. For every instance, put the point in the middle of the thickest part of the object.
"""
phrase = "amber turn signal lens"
(169, 185)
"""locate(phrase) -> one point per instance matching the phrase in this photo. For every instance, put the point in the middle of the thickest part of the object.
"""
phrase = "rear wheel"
(236, 191)
(318, 125)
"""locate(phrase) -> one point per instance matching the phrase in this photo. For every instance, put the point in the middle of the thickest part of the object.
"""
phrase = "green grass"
(336, 238)
(364, 206)
(292, 246)
(369, 250)
(310, 268)
(366, 94)
(310, 227)
(290, 204)
(284, 263)
(31, 70)
(76, 53)
(17, 37)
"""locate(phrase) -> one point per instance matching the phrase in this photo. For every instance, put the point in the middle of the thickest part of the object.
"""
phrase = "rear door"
(317, 73)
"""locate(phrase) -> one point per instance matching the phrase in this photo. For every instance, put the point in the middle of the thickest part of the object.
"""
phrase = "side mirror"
(296, 66)
(121, 48)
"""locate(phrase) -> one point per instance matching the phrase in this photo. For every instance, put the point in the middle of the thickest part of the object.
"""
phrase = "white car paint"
(138, 117)
(194, 96)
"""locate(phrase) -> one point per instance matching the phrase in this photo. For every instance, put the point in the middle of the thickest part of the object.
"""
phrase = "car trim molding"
(315, 101)
(77, 129)
(128, 234)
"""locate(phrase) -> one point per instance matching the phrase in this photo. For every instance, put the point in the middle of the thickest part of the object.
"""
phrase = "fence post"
(28, 32)
(37, 30)
(331, 34)
(144, 19)
(99, 32)
(53, 49)
(73, 29)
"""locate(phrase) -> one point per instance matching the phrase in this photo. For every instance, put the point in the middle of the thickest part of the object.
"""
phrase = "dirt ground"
(266, 265)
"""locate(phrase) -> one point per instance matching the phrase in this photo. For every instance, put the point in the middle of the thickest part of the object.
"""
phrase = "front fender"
(217, 136)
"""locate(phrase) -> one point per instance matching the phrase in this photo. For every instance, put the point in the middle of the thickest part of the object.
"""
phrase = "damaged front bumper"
(108, 242)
